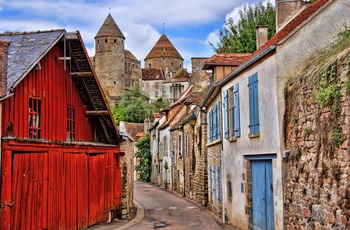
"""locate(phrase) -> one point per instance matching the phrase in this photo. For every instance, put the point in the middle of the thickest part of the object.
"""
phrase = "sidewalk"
(136, 216)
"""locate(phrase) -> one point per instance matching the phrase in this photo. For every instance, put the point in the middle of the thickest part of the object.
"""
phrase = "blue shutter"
(219, 185)
(211, 182)
(236, 116)
(226, 115)
(214, 124)
(251, 104)
(210, 125)
(219, 119)
(256, 103)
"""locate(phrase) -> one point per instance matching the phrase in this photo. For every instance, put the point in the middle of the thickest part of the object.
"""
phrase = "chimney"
(4, 45)
(287, 9)
(146, 125)
(261, 36)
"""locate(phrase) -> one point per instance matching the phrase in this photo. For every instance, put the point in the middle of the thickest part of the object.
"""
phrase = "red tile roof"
(134, 129)
(227, 59)
(163, 48)
(152, 74)
(293, 24)
(180, 76)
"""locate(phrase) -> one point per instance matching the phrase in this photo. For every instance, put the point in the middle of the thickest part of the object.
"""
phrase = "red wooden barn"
(60, 146)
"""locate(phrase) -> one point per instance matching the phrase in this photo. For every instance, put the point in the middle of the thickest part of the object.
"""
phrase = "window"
(253, 104)
(156, 93)
(105, 40)
(34, 118)
(229, 189)
(156, 85)
(115, 40)
(215, 122)
(70, 123)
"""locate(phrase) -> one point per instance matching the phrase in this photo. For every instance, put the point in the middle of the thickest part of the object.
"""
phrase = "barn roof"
(28, 48)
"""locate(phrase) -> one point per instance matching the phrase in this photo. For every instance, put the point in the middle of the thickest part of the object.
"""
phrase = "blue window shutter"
(226, 115)
(251, 104)
(219, 119)
(211, 184)
(210, 125)
(214, 124)
(256, 103)
(236, 113)
(219, 185)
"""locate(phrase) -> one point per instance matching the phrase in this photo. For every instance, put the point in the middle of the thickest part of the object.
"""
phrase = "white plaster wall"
(166, 175)
(267, 142)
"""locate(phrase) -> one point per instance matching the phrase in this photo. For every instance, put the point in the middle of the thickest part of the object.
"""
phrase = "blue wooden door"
(262, 191)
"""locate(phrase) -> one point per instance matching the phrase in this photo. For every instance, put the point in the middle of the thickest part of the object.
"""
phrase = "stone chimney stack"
(4, 45)
(146, 125)
(261, 36)
(287, 9)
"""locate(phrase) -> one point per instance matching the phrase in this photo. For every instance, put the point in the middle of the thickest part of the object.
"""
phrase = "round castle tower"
(109, 59)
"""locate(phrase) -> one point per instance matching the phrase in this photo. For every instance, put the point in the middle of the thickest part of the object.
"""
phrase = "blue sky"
(189, 24)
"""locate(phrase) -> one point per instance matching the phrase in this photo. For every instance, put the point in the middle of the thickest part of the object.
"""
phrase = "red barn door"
(30, 191)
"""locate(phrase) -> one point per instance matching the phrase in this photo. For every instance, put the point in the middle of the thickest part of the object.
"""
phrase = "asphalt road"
(167, 210)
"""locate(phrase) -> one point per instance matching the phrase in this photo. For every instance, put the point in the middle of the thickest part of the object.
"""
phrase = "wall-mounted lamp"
(193, 119)
(154, 136)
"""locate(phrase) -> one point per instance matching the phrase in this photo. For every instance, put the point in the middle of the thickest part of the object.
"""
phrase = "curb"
(140, 214)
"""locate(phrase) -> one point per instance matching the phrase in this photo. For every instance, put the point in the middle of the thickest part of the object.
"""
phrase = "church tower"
(109, 59)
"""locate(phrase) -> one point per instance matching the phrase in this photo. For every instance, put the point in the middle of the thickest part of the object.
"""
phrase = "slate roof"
(26, 50)
(109, 28)
(226, 59)
(180, 76)
(152, 74)
(163, 48)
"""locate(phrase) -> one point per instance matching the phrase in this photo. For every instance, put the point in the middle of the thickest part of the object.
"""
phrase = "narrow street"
(164, 209)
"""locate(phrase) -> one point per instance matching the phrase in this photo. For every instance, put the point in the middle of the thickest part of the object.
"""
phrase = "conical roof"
(109, 28)
(163, 48)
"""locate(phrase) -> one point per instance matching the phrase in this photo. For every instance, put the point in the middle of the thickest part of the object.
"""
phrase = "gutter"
(246, 64)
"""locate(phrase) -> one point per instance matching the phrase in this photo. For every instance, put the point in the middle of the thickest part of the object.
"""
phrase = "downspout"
(223, 187)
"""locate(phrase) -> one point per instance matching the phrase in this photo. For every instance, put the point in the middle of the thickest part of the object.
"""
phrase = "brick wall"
(3, 67)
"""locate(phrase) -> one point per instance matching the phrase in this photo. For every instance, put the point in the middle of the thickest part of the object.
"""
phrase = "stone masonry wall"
(316, 172)
(3, 66)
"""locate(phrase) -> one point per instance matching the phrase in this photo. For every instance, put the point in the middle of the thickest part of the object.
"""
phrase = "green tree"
(133, 107)
(143, 154)
(160, 104)
(240, 37)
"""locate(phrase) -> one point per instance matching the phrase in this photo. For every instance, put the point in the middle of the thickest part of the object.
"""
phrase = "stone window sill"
(254, 135)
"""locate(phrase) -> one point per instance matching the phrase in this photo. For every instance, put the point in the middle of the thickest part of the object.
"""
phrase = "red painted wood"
(56, 89)
(54, 186)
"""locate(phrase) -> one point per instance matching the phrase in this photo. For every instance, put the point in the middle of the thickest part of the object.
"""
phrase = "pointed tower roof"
(109, 28)
(163, 48)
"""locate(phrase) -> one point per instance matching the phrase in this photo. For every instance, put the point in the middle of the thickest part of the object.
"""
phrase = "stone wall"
(317, 131)
(172, 64)
(200, 174)
(189, 159)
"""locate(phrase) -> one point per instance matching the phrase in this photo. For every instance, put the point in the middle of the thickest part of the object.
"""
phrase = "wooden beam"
(96, 112)
(81, 74)
(63, 58)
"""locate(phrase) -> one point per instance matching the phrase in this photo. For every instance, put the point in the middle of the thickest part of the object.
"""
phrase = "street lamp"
(193, 119)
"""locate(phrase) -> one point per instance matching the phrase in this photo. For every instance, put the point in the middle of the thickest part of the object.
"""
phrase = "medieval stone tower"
(109, 59)
(164, 56)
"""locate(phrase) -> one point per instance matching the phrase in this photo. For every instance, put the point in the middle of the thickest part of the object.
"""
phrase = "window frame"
(34, 117)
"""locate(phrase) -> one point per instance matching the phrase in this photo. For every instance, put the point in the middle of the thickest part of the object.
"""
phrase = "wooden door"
(30, 191)
(262, 191)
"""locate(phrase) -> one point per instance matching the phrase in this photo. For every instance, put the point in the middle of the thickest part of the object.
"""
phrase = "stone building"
(117, 69)
(164, 76)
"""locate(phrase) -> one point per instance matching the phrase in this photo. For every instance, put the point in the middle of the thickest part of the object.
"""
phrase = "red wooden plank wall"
(64, 190)
(57, 90)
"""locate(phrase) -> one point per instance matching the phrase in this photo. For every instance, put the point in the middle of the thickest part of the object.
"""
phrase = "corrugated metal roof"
(26, 50)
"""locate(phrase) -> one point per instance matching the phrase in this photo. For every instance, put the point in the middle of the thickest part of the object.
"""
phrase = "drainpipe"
(223, 187)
